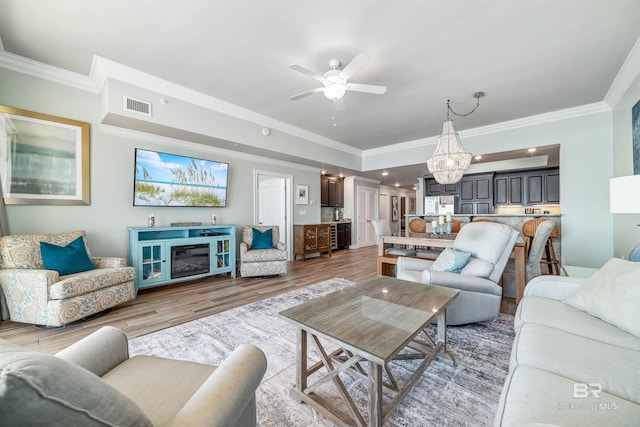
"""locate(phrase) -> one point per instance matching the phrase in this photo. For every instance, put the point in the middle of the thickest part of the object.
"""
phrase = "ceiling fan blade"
(309, 73)
(359, 87)
(306, 93)
(339, 104)
(354, 66)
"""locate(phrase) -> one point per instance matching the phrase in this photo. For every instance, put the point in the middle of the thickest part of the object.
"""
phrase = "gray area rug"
(462, 395)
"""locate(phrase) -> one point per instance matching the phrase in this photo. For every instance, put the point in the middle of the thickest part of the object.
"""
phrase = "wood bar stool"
(529, 230)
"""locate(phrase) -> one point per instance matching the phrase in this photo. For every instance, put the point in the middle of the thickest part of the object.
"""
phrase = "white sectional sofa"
(569, 367)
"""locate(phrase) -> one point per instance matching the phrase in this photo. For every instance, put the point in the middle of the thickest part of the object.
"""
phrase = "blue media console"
(165, 255)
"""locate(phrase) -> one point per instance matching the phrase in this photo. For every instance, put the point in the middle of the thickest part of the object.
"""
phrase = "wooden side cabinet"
(310, 239)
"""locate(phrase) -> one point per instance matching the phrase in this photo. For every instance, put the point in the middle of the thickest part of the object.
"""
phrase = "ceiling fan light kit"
(450, 160)
(336, 81)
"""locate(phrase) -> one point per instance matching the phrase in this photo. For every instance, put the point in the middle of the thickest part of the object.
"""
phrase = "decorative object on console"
(38, 171)
(163, 179)
(185, 224)
(450, 160)
(624, 195)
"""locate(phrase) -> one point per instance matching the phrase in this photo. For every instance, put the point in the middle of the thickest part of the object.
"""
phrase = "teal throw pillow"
(451, 260)
(69, 259)
(262, 240)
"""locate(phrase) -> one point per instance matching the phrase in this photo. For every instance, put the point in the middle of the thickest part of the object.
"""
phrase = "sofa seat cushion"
(88, 281)
(556, 314)
(534, 396)
(590, 362)
(258, 255)
(38, 389)
(136, 376)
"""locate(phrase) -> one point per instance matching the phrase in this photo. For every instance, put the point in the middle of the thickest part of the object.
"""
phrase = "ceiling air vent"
(137, 106)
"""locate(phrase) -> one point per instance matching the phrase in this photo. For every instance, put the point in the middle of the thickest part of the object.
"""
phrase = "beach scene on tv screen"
(170, 180)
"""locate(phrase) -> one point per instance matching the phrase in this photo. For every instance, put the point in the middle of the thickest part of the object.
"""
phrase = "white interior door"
(273, 203)
(367, 211)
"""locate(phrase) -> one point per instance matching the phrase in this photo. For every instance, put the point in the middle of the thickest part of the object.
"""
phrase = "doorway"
(367, 210)
(272, 203)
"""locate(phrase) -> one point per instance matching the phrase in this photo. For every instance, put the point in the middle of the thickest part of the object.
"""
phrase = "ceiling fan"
(336, 81)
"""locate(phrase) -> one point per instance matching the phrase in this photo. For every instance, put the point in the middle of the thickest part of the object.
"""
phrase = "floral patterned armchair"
(44, 297)
(262, 262)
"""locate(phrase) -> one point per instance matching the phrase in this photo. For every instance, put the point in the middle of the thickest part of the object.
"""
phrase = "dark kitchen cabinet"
(435, 189)
(344, 235)
(324, 191)
(527, 187)
(331, 192)
(508, 189)
(542, 187)
(476, 195)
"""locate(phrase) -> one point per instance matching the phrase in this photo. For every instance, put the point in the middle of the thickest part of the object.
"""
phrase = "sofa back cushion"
(38, 389)
(612, 294)
(247, 233)
(23, 250)
(69, 259)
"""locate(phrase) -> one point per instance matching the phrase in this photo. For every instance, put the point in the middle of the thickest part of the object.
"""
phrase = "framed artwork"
(635, 120)
(302, 194)
(394, 208)
(44, 160)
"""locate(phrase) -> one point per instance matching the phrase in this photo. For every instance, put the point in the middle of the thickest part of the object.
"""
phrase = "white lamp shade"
(624, 193)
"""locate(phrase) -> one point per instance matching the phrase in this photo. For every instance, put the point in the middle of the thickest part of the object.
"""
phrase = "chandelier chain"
(477, 95)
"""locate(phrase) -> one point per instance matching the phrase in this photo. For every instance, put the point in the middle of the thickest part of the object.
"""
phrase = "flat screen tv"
(163, 179)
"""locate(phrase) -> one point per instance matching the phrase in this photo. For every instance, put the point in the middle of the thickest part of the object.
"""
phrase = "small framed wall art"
(302, 194)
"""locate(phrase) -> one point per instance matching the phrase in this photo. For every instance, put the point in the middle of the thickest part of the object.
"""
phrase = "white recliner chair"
(489, 246)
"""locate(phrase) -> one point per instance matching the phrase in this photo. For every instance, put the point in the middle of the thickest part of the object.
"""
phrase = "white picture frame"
(302, 194)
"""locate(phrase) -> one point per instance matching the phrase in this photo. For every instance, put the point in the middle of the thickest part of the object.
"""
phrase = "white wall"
(586, 160)
(626, 229)
(112, 156)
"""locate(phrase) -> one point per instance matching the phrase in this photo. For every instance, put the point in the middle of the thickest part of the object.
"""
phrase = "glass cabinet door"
(152, 262)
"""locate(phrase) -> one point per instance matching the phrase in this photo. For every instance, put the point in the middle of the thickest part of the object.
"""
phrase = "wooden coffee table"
(374, 324)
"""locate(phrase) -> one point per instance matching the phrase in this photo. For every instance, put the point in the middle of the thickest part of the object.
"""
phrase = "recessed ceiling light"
(478, 157)
(531, 150)
(397, 185)
(322, 172)
(385, 173)
(341, 175)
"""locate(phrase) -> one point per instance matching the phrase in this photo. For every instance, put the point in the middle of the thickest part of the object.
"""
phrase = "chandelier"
(450, 160)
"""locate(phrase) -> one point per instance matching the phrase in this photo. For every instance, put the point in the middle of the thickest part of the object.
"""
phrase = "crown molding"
(103, 69)
(41, 70)
(172, 143)
(626, 75)
(538, 119)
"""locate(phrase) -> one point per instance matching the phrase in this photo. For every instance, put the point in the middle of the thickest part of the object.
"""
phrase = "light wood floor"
(162, 307)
